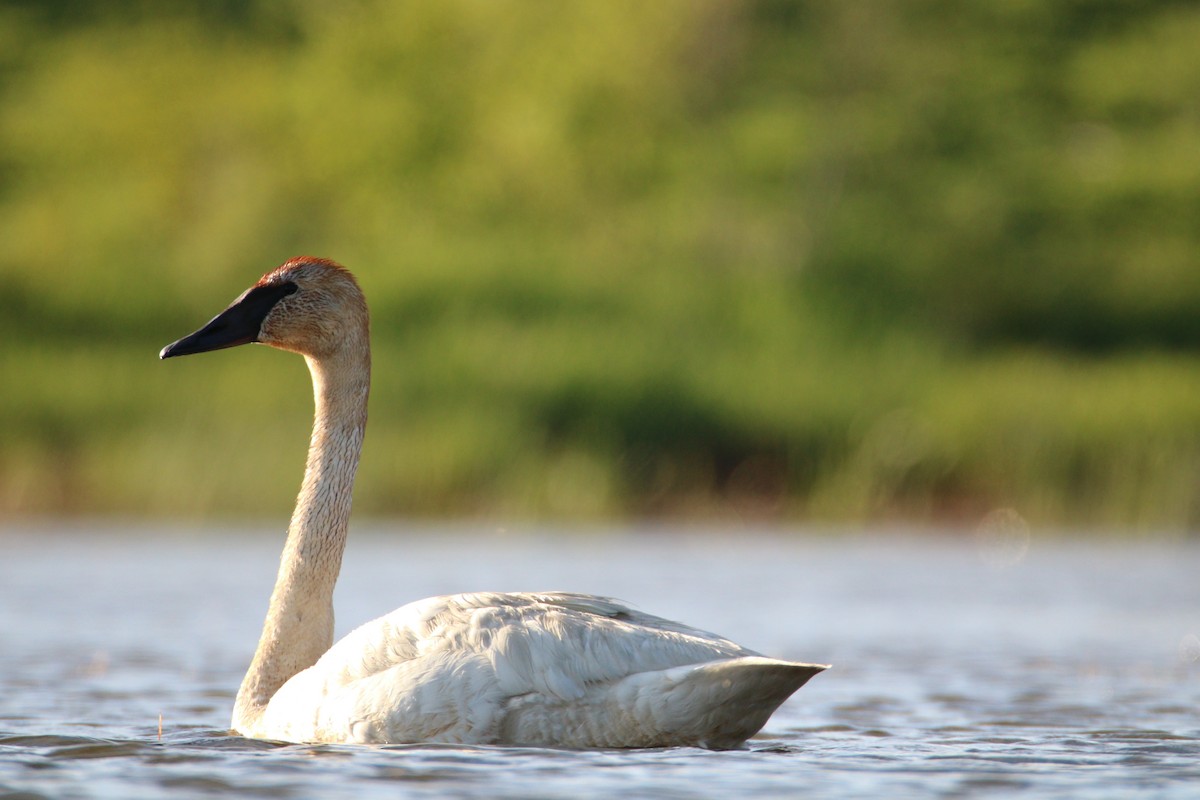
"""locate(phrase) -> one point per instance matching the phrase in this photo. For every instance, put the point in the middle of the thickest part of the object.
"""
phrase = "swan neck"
(299, 624)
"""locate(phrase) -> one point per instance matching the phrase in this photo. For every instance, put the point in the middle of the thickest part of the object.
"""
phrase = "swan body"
(544, 669)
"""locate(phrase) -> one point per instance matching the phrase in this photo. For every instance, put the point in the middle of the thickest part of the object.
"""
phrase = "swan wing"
(492, 668)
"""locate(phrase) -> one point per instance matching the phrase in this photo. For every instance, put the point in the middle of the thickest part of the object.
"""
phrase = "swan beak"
(238, 324)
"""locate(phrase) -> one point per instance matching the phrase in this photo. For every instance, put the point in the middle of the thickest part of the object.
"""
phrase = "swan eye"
(258, 303)
(251, 309)
(269, 294)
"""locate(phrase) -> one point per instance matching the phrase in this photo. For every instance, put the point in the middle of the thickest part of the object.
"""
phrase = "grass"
(603, 431)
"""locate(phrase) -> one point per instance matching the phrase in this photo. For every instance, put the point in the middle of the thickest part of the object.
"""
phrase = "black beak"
(238, 324)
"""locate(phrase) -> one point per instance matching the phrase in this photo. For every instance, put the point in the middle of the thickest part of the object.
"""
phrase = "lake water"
(963, 665)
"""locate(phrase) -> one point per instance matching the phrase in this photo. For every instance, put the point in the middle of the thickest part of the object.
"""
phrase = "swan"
(551, 669)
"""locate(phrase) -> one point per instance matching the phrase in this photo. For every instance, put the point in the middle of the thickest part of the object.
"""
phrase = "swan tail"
(721, 704)
(717, 704)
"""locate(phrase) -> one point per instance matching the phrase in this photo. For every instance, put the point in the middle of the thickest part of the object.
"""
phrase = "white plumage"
(551, 669)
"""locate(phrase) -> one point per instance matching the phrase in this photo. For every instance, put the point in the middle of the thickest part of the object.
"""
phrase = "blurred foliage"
(855, 260)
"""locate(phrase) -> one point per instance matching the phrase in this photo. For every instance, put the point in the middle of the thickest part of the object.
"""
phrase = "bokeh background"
(868, 260)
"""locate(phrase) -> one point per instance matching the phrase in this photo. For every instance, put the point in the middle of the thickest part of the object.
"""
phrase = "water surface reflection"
(1071, 670)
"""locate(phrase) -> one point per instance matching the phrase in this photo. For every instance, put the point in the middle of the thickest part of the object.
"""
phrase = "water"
(962, 666)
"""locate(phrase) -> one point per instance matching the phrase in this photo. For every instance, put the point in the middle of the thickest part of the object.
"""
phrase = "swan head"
(310, 306)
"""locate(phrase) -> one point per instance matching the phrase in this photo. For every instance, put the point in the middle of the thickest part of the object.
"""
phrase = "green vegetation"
(837, 261)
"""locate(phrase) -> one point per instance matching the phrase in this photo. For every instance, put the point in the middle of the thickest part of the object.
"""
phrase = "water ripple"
(1061, 676)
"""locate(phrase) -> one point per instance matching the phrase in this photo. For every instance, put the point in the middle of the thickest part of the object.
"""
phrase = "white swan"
(548, 669)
